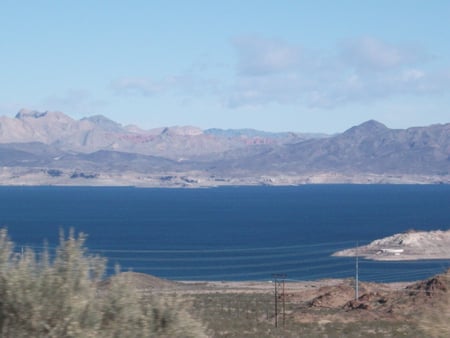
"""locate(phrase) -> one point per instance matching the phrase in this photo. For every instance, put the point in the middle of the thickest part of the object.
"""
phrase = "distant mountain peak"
(368, 127)
(104, 122)
(372, 124)
(29, 113)
(100, 119)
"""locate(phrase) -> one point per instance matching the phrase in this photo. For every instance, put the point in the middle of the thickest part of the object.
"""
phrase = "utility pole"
(357, 272)
(278, 281)
(284, 304)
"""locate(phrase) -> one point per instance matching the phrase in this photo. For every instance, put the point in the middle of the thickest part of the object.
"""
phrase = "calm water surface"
(232, 233)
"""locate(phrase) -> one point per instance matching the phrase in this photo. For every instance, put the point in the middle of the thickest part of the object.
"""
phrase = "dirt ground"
(322, 308)
(308, 299)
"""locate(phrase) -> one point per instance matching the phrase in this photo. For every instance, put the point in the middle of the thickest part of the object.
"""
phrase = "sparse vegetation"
(436, 321)
(43, 296)
(64, 295)
(251, 315)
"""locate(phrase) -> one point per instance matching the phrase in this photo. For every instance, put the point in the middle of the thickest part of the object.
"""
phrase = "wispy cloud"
(270, 70)
(368, 53)
(358, 70)
(262, 56)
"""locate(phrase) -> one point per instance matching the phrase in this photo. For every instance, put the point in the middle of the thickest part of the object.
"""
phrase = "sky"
(274, 65)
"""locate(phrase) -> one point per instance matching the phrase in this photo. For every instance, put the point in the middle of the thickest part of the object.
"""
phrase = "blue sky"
(307, 66)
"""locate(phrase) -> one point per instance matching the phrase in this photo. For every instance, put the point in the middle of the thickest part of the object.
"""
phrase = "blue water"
(232, 233)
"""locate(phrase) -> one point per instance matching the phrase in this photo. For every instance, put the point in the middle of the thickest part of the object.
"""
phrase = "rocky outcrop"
(411, 245)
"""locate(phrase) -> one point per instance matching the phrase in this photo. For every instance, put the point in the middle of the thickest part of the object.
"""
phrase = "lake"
(232, 233)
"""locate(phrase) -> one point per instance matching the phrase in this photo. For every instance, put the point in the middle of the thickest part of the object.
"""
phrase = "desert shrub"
(43, 296)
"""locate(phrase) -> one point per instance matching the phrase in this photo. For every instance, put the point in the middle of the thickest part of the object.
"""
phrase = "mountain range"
(51, 148)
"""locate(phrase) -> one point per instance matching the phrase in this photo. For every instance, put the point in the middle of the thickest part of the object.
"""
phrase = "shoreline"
(10, 176)
(149, 283)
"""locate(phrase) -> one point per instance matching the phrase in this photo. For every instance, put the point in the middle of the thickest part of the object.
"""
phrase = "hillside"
(52, 148)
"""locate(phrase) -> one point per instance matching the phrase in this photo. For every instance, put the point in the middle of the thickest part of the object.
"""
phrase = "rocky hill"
(411, 245)
(52, 148)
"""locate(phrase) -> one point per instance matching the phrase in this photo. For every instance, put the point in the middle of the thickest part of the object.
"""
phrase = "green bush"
(59, 297)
